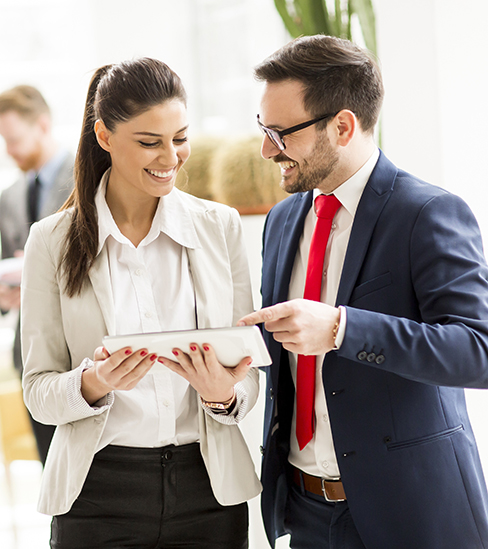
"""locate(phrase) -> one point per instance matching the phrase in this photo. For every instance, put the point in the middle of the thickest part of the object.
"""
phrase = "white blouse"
(152, 291)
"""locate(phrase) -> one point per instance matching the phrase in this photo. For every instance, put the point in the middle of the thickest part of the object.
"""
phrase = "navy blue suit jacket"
(415, 286)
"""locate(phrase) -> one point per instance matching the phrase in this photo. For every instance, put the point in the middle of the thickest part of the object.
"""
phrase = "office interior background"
(433, 54)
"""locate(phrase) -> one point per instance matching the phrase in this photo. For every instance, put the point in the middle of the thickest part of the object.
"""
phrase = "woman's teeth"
(162, 175)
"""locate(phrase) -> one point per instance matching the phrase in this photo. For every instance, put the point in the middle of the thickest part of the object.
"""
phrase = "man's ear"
(44, 122)
(346, 125)
(103, 135)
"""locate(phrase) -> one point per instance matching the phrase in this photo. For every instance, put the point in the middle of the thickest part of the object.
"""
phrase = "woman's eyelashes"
(153, 144)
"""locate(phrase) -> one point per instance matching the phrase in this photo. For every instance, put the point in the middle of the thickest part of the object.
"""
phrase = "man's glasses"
(276, 136)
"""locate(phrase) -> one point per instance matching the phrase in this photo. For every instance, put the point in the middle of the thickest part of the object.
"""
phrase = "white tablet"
(231, 344)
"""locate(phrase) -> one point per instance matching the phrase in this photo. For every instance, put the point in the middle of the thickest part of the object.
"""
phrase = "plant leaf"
(365, 12)
(290, 22)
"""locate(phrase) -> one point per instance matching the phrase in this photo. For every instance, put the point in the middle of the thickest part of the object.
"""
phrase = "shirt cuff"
(77, 403)
(341, 330)
(239, 411)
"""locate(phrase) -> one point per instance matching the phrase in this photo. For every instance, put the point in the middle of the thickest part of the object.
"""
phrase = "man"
(386, 458)
(45, 184)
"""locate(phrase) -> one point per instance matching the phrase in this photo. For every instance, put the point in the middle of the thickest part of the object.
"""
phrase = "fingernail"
(143, 353)
(193, 348)
(128, 352)
(105, 351)
(250, 362)
(206, 348)
(161, 359)
(153, 357)
(175, 353)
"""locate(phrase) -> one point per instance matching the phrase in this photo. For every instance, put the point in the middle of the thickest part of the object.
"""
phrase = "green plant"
(333, 17)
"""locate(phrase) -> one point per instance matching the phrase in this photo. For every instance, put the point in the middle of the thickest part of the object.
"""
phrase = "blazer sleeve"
(51, 388)
(449, 346)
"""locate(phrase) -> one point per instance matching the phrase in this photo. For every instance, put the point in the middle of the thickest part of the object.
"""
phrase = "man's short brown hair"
(336, 75)
(27, 101)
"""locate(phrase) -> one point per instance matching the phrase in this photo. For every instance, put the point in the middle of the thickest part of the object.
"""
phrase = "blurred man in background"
(41, 189)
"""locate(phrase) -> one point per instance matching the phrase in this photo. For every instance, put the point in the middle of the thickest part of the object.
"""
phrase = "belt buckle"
(324, 491)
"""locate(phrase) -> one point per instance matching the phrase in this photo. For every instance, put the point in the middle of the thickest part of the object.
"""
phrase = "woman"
(140, 457)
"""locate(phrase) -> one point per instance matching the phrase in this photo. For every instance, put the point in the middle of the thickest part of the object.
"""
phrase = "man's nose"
(268, 148)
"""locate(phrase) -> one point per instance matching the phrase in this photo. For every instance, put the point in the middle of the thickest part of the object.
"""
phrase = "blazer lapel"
(99, 275)
(375, 196)
(211, 274)
(290, 237)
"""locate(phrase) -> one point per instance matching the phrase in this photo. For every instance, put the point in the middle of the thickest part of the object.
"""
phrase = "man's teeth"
(287, 165)
(160, 174)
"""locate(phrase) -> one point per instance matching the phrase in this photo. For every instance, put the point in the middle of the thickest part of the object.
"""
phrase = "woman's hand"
(121, 371)
(211, 380)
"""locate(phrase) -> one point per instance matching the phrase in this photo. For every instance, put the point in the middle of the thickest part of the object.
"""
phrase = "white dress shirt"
(318, 457)
(152, 291)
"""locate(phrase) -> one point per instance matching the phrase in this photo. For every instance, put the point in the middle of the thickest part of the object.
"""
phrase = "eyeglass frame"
(270, 132)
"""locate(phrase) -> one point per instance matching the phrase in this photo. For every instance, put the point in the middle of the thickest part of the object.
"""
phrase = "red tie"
(326, 207)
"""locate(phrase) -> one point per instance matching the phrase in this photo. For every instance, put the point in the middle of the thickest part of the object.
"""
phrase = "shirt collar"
(350, 192)
(172, 218)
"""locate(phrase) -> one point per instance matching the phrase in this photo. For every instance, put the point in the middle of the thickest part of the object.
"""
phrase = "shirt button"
(325, 273)
(148, 315)
(334, 226)
(166, 403)
(138, 272)
(325, 464)
(325, 418)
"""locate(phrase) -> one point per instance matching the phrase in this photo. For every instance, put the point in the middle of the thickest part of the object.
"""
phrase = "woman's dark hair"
(116, 94)
(336, 75)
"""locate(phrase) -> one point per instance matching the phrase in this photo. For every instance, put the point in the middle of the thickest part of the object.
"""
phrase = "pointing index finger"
(276, 312)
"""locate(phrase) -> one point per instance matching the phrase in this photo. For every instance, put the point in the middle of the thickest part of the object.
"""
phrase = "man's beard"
(309, 174)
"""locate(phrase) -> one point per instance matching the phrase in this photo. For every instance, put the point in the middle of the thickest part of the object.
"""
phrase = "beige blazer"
(59, 332)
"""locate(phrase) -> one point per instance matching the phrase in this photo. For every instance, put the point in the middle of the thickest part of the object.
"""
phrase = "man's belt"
(331, 489)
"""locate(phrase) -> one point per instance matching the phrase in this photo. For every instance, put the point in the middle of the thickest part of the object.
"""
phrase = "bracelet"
(219, 406)
(335, 329)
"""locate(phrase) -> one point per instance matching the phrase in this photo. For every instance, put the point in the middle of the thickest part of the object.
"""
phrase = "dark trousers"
(313, 523)
(150, 498)
(43, 435)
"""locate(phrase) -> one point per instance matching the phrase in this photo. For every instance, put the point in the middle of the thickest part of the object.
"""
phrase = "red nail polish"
(175, 353)
(153, 357)
(143, 353)
(128, 352)
(250, 362)
(193, 348)
(206, 348)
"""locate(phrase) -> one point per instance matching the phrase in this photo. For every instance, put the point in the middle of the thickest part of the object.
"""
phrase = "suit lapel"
(290, 238)
(99, 275)
(375, 196)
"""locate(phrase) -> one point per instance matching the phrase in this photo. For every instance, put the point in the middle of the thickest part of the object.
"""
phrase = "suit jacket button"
(362, 355)
(261, 449)
(371, 357)
(380, 359)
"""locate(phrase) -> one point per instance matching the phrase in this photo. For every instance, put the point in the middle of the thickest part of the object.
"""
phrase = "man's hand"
(304, 327)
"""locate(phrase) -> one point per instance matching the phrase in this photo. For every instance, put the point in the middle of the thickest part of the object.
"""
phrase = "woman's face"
(147, 151)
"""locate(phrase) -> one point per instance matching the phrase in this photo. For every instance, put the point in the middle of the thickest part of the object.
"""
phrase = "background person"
(141, 457)
(399, 325)
(42, 188)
